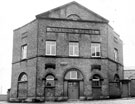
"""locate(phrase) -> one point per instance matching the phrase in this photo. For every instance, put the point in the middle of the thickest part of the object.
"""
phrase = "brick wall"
(24, 35)
(3, 97)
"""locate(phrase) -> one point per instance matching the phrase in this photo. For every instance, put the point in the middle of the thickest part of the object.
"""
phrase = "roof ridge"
(57, 8)
(73, 2)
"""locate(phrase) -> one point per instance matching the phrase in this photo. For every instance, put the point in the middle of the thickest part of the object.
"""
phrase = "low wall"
(3, 97)
(132, 88)
(114, 90)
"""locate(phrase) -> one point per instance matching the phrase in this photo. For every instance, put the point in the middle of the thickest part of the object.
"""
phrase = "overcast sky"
(16, 13)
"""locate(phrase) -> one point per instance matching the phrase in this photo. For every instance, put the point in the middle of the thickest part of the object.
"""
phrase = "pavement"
(109, 101)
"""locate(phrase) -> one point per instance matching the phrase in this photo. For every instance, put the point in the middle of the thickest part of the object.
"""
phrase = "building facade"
(129, 74)
(69, 52)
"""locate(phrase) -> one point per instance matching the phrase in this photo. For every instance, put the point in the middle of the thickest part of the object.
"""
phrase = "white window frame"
(24, 78)
(115, 54)
(50, 80)
(49, 47)
(72, 75)
(73, 48)
(24, 51)
(96, 47)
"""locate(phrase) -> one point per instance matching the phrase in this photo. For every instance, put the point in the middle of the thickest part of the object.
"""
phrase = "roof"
(72, 8)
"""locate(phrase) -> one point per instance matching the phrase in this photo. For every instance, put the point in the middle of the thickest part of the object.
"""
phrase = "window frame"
(24, 52)
(115, 54)
(51, 81)
(73, 46)
(96, 82)
(23, 77)
(75, 74)
(49, 46)
(98, 47)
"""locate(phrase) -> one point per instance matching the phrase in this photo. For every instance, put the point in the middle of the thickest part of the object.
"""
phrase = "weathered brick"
(35, 36)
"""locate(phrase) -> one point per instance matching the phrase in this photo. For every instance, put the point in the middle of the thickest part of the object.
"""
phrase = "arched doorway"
(73, 84)
(22, 86)
(96, 86)
(49, 87)
(116, 78)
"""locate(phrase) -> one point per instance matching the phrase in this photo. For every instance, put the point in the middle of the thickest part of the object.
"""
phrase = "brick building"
(68, 52)
(129, 74)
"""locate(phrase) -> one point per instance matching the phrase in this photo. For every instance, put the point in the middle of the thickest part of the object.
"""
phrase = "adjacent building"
(129, 74)
(68, 52)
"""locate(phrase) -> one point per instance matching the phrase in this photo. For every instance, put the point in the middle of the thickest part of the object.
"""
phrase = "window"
(116, 78)
(50, 48)
(24, 51)
(50, 81)
(115, 54)
(23, 77)
(73, 49)
(96, 81)
(95, 50)
(73, 74)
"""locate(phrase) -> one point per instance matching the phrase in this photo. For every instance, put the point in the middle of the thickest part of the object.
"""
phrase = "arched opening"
(96, 81)
(116, 78)
(49, 87)
(22, 86)
(50, 81)
(73, 17)
(96, 86)
(73, 84)
(117, 81)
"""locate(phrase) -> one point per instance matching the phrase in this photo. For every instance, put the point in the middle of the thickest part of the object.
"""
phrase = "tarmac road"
(112, 101)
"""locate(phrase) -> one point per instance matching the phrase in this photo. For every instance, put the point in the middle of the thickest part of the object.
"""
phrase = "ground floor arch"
(22, 88)
(73, 84)
(49, 89)
(96, 86)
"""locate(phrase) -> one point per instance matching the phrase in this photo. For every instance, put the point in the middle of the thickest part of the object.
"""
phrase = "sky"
(16, 13)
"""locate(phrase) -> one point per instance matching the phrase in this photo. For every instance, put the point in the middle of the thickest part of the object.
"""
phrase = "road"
(112, 101)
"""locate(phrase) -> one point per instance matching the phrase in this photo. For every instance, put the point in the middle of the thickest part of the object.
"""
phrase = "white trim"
(50, 45)
(72, 75)
(95, 47)
(73, 48)
(24, 51)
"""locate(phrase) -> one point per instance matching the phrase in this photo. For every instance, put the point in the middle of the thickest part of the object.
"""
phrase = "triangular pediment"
(74, 11)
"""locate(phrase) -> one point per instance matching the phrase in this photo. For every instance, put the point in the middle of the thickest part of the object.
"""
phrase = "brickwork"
(35, 36)
(24, 35)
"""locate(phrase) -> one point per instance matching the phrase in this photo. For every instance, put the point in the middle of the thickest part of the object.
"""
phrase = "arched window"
(23, 77)
(116, 78)
(96, 81)
(22, 85)
(50, 81)
(73, 75)
(74, 17)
